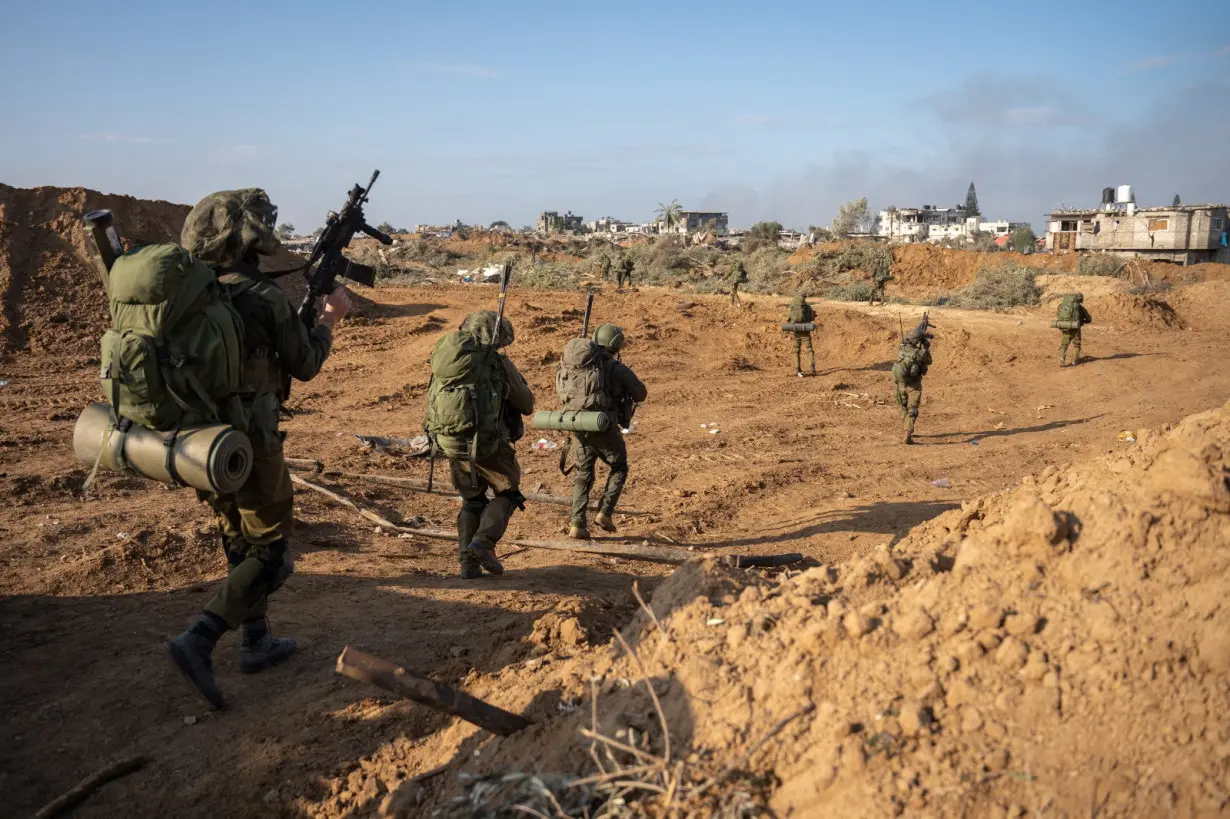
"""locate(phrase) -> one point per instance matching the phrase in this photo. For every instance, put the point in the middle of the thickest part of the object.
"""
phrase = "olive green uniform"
(624, 273)
(605, 267)
(1073, 338)
(879, 277)
(909, 390)
(256, 520)
(608, 447)
(483, 520)
(737, 277)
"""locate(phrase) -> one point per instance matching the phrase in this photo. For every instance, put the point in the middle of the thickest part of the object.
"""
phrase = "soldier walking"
(802, 313)
(1071, 317)
(738, 276)
(913, 360)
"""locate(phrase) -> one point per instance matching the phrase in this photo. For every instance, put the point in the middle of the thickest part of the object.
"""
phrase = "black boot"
(260, 649)
(192, 653)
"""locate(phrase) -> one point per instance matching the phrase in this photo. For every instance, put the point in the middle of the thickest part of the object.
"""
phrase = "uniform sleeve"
(629, 384)
(519, 395)
(301, 352)
(1086, 316)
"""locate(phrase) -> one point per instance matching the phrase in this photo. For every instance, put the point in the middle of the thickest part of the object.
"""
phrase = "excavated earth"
(1022, 615)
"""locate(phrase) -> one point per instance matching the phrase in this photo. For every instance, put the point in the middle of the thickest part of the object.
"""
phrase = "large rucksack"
(580, 381)
(465, 397)
(1069, 309)
(910, 358)
(173, 354)
(800, 313)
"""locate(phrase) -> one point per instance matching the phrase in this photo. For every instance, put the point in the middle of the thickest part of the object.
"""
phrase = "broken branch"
(80, 792)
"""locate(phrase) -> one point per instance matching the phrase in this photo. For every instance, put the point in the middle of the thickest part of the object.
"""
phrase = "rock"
(457, 651)
(572, 632)
(914, 625)
(858, 624)
(1012, 654)
(735, 635)
(971, 721)
(997, 760)
(271, 797)
(984, 617)
(189, 720)
(915, 719)
(1021, 625)
(1032, 528)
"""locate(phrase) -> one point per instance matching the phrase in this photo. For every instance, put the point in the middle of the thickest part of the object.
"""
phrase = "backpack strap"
(169, 443)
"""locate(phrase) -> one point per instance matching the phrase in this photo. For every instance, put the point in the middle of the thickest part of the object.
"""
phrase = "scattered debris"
(942, 483)
(416, 447)
(1127, 436)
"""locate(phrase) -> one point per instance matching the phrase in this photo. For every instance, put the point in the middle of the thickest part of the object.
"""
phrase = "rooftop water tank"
(1108, 196)
(1125, 195)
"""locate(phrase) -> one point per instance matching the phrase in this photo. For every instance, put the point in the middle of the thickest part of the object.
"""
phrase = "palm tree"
(668, 215)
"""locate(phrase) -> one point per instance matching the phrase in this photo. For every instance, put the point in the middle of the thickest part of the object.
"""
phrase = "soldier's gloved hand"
(337, 305)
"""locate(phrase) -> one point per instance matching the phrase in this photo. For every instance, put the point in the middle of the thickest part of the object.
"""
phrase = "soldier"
(1071, 312)
(603, 383)
(738, 276)
(913, 360)
(626, 266)
(801, 313)
(474, 404)
(604, 264)
(229, 230)
(880, 276)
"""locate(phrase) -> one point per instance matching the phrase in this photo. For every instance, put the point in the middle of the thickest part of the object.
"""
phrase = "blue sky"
(484, 111)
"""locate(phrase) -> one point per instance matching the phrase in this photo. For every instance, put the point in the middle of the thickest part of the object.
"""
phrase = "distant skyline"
(498, 111)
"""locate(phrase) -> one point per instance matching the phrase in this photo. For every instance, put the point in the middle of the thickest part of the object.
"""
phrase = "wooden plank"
(383, 674)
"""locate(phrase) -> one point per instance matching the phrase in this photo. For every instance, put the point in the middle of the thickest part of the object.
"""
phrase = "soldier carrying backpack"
(225, 234)
(913, 360)
(880, 276)
(591, 378)
(474, 406)
(1072, 316)
(738, 276)
(801, 313)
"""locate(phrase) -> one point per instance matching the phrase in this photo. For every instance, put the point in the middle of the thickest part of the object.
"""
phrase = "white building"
(932, 224)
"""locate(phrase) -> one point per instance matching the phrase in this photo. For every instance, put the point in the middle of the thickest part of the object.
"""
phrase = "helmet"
(1080, 296)
(610, 337)
(229, 226)
(480, 324)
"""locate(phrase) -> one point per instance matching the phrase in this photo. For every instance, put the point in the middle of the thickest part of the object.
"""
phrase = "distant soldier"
(604, 264)
(913, 359)
(801, 313)
(474, 403)
(738, 276)
(1071, 318)
(592, 378)
(626, 266)
(880, 276)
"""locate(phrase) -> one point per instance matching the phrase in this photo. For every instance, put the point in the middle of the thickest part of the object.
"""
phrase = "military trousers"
(610, 448)
(802, 340)
(1072, 337)
(734, 294)
(877, 293)
(624, 278)
(256, 521)
(909, 398)
(484, 520)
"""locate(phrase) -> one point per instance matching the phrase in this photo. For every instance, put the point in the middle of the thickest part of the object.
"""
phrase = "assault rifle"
(589, 310)
(330, 263)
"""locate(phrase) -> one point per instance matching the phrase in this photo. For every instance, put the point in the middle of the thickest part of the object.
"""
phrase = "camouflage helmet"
(480, 323)
(228, 226)
(610, 337)
(1080, 296)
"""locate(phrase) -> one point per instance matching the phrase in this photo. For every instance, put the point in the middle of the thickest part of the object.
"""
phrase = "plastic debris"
(1127, 436)
(413, 447)
(973, 443)
(714, 621)
(942, 483)
(543, 443)
(4, 382)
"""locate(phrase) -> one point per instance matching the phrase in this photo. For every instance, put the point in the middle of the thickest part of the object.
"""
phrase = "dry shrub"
(999, 288)
(1101, 265)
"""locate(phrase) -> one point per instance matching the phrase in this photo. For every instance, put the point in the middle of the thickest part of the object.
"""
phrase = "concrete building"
(550, 221)
(1185, 234)
(932, 224)
(693, 221)
(607, 224)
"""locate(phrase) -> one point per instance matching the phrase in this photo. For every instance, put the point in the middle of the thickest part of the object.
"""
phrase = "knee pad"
(279, 564)
(914, 412)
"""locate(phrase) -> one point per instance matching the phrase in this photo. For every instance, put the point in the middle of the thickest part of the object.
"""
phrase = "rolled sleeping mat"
(1059, 324)
(211, 457)
(572, 420)
(809, 327)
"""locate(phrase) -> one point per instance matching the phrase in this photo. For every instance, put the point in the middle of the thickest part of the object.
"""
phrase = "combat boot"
(470, 571)
(603, 520)
(909, 438)
(192, 654)
(259, 649)
(578, 531)
(485, 557)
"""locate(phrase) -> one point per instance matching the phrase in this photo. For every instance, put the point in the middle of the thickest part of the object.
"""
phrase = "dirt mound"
(1128, 311)
(1056, 286)
(1205, 305)
(50, 295)
(1044, 649)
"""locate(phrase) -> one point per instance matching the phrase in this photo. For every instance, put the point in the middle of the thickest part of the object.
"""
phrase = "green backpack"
(800, 313)
(910, 359)
(173, 353)
(465, 397)
(1069, 309)
(580, 381)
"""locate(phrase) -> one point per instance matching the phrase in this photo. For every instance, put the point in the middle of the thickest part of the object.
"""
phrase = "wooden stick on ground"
(80, 792)
(631, 551)
(381, 673)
